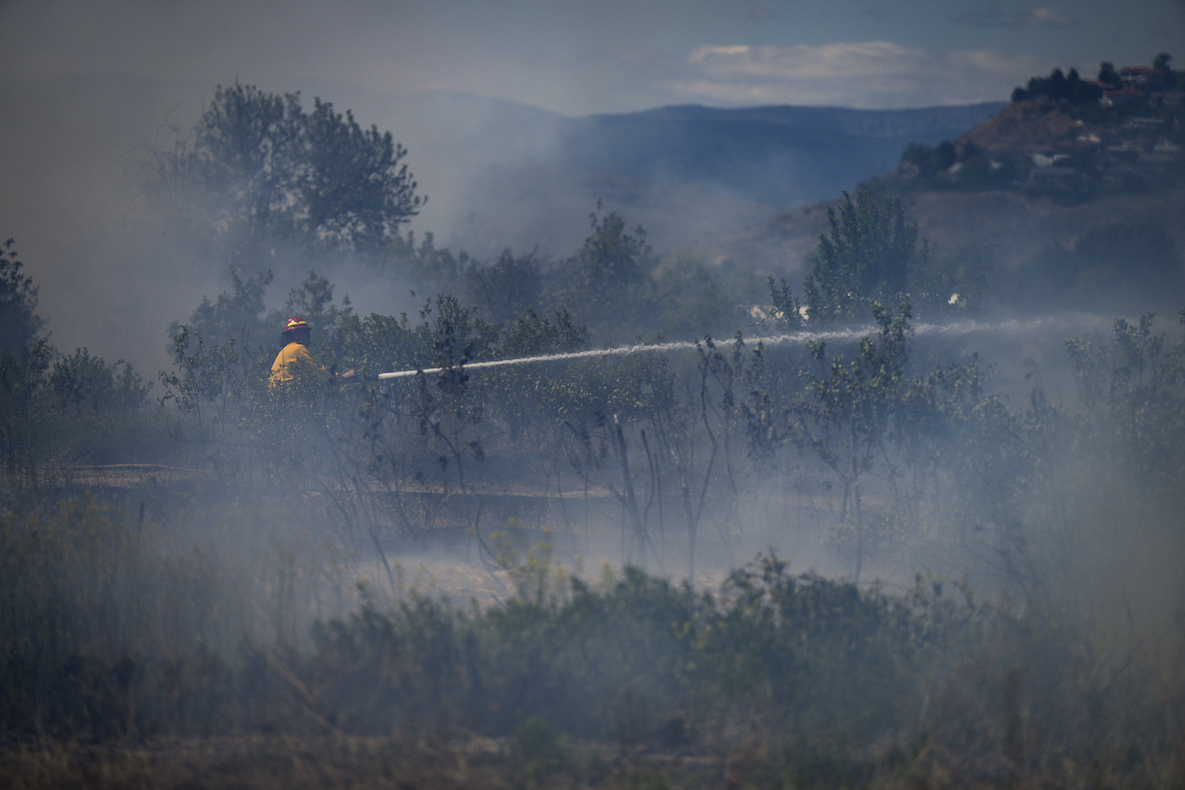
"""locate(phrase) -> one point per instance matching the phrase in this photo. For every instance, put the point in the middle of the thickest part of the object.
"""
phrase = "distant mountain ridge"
(1078, 207)
(779, 156)
(925, 121)
(504, 174)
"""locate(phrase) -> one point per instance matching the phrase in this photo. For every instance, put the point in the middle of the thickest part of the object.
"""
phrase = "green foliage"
(1169, 79)
(793, 675)
(425, 264)
(873, 255)
(964, 168)
(313, 301)
(606, 284)
(693, 298)
(448, 411)
(614, 285)
(1107, 74)
(1133, 392)
(787, 312)
(236, 315)
(540, 748)
(93, 412)
(845, 418)
(58, 410)
(237, 320)
(964, 458)
(114, 626)
(353, 193)
(846, 414)
(53, 675)
(930, 160)
(20, 325)
(208, 381)
(263, 178)
(1061, 87)
(893, 451)
(533, 336)
(86, 384)
(528, 402)
(23, 381)
(380, 343)
(507, 289)
(869, 255)
(120, 619)
(1111, 265)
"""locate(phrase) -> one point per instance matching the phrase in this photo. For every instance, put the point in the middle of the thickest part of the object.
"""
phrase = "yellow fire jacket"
(293, 360)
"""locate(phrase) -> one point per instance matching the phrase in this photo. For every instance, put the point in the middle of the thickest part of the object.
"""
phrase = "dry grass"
(403, 761)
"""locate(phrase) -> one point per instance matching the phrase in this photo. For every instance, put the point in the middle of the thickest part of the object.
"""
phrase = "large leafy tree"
(870, 255)
(261, 177)
(607, 283)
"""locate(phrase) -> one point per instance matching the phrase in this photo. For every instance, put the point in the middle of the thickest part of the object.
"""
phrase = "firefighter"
(294, 358)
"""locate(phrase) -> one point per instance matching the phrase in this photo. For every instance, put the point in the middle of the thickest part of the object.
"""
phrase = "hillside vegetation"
(1060, 197)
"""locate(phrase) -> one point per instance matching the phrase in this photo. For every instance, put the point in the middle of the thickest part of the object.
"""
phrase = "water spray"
(799, 338)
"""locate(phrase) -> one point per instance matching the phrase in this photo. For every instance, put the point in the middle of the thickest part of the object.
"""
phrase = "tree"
(23, 380)
(870, 255)
(933, 161)
(1162, 63)
(1062, 87)
(261, 177)
(19, 323)
(507, 289)
(601, 283)
(693, 298)
(354, 193)
(84, 384)
(236, 315)
(1107, 74)
(313, 301)
(845, 418)
(1133, 393)
(434, 269)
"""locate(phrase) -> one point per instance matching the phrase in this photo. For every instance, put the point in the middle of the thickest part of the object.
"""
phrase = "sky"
(88, 89)
(602, 56)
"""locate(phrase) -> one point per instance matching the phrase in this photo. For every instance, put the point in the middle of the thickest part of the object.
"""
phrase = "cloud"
(994, 16)
(866, 74)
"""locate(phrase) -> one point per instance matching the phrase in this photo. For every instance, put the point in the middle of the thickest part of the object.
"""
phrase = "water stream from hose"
(953, 328)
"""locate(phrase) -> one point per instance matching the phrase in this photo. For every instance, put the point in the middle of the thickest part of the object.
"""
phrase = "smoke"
(90, 96)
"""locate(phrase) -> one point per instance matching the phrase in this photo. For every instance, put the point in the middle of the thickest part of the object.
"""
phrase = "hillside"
(778, 156)
(1060, 204)
(1024, 126)
(501, 174)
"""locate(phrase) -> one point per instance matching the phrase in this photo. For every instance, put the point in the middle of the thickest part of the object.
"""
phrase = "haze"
(89, 91)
